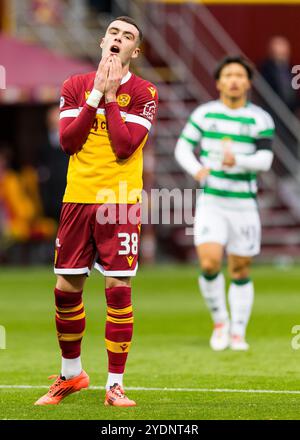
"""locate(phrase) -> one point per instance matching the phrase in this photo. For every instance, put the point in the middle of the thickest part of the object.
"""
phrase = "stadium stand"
(181, 48)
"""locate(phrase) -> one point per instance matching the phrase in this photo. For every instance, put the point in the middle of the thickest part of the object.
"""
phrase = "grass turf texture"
(170, 349)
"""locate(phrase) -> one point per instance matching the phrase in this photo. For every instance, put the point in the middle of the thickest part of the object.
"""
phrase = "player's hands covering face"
(102, 74)
(114, 78)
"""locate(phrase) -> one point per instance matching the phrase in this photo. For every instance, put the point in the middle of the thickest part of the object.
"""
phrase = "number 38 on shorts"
(112, 247)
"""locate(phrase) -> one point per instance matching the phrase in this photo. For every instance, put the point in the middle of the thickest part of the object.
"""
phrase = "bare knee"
(239, 267)
(210, 257)
(70, 283)
(210, 265)
(117, 282)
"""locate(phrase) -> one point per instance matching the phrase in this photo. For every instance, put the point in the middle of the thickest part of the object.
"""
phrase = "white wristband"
(94, 98)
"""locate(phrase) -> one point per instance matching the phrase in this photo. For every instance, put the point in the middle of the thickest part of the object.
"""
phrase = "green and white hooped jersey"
(216, 127)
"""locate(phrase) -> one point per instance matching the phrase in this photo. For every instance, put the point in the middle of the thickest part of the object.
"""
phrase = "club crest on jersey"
(149, 110)
(245, 130)
(213, 128)
(152, 91)
(123, 100)
(87, 94)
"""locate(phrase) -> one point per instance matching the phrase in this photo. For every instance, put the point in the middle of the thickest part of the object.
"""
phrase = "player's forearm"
(73, 132)
(260, 161)
(186, 158)
(124, 141)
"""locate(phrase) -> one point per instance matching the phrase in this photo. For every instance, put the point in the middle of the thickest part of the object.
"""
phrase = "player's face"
(233, 82)
(121, 39)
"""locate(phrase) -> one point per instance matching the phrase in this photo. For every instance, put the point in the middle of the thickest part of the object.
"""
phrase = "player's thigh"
(70, 283)
(75, 249)
(210, 256)
(117, 242)
(210, 225)
(244, 233)
(238, 266)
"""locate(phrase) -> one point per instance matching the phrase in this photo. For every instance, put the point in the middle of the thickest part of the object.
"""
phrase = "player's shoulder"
(141, 86)
(141, 82)
(207, 107)
(79, 80)
(261, 116)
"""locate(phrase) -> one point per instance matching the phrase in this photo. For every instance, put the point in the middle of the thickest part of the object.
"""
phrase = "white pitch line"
(186, 390)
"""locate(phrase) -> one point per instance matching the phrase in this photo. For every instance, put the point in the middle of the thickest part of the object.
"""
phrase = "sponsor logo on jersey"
(98, 125)
(149, 110)
(62, 102)
(123, 100)
(130, 260)
(152, 91)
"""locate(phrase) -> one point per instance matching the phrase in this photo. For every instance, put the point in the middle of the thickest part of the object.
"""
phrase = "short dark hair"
(130, 21)
(239, 59)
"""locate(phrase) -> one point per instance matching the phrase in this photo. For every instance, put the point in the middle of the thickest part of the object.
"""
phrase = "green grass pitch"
(170, 349)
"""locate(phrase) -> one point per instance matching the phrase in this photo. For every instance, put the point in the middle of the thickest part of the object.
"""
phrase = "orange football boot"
(61, 388)
(115, 397)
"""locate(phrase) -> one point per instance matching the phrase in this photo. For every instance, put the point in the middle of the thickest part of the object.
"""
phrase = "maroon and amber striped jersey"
(96, 172)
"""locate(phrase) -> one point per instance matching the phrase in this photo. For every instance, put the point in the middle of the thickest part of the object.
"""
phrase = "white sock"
(240, 300)
(213, 292)
(70, 367)
(113, 378)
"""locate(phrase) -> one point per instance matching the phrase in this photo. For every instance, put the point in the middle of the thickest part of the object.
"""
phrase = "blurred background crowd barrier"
(42, 42)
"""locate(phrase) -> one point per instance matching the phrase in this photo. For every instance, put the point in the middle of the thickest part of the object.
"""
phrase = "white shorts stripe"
(80, 271)
(71, 113)
(116, 273)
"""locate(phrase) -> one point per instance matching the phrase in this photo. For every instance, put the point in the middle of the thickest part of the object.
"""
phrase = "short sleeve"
(68, 99)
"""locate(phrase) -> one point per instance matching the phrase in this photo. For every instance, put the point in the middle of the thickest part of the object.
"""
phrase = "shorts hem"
(213, 240)
(74, 271)
(241, 253)
(116, 273)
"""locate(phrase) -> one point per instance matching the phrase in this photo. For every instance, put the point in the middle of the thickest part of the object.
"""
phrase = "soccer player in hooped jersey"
(236, 139)
(104, 124)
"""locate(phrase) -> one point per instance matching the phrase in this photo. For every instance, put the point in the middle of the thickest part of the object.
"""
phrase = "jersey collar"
(126, 77)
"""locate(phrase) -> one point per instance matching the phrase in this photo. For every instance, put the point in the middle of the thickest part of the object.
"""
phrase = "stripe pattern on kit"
(119, 327)
(70, 322)
(215, 128)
